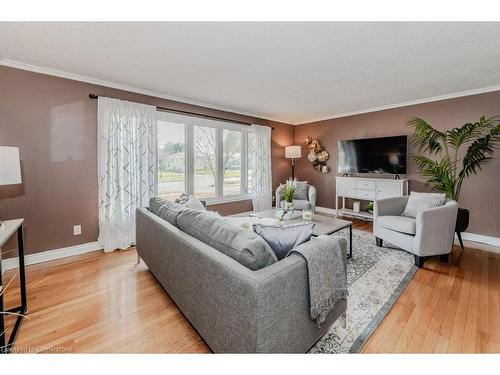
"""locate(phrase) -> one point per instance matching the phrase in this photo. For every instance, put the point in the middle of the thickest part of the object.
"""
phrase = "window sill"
(236, 198)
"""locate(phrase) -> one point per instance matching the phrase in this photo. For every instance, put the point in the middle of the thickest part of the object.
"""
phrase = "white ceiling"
(290, 72)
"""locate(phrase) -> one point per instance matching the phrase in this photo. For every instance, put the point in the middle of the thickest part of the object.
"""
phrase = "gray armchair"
(300, 204)
(431, 233)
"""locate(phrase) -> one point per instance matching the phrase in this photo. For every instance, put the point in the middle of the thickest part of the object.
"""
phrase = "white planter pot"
(287, 206)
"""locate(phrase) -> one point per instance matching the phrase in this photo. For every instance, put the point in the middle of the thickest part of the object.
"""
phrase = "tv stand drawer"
(388, 189)
(365, 185)
(364, 194)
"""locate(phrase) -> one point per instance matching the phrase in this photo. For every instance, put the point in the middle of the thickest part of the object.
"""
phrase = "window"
(231, 157)
(205, 162)
(171, 159)
(207, 158)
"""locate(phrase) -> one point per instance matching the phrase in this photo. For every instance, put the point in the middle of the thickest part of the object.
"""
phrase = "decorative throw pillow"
(190, 201)
(282, 239)
(300, 190)
(422, 201)
(168, 211)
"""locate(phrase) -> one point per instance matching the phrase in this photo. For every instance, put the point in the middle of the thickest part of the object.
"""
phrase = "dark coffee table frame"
(349, 256)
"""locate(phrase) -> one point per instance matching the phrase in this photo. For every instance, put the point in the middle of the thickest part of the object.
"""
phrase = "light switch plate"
(77, 229)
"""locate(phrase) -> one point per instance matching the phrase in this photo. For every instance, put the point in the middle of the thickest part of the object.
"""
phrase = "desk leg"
(350, 241)
(22, 274)
(6, 347)
(2, 326)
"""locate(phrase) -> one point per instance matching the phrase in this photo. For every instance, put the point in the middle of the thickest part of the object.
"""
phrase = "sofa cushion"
(300, 204)
(401, 224)
(422, 201)
(168, 211)
(300, 190)
(244, 246)
(282, 239)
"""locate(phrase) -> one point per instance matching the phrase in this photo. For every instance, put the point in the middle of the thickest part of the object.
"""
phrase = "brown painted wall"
(54, 124)
(480, 193)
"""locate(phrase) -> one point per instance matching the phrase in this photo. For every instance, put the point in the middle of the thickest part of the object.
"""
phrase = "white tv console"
(367, 189)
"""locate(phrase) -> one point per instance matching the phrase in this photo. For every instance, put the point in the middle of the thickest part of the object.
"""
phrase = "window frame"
(189, 124)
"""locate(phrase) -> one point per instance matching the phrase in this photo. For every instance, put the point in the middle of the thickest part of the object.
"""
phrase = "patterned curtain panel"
(127, 163)
(262, 194)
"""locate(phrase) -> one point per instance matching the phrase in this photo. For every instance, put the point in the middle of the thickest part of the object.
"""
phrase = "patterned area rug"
(375, 278)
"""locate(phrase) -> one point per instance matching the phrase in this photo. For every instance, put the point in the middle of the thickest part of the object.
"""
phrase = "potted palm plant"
(454, 155)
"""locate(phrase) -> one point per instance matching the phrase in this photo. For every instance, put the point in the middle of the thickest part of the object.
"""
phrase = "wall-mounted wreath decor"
(318, 156)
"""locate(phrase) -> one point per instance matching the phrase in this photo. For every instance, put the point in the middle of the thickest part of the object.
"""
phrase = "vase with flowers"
(287, 192)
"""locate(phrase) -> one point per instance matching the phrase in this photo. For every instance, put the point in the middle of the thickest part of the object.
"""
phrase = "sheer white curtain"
(127, 160)
(262, 184)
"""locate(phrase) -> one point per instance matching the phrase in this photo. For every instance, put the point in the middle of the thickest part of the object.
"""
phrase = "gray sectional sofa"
(233, 308)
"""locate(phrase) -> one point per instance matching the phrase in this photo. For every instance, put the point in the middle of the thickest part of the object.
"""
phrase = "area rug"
(375, 278)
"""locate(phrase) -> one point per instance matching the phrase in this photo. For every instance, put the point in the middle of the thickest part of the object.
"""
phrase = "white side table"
(7, 230)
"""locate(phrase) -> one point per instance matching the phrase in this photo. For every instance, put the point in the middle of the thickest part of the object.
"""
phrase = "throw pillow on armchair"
(300, 190)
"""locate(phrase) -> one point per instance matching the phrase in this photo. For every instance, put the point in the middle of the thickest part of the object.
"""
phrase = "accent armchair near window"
(431, 233)
(300, 204)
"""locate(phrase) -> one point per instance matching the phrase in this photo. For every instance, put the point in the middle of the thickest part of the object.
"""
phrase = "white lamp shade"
(293, 152)
(10, 166)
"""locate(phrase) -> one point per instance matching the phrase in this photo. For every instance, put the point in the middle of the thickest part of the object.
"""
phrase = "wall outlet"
(77, 230)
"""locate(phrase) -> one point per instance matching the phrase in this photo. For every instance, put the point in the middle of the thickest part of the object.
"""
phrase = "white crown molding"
(494, 242)
(96, 81)
(46, 256)
(460, 94)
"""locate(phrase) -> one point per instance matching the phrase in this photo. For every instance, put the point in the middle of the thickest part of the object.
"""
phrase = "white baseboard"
(45, 256)
(481, 238)
(472, 237)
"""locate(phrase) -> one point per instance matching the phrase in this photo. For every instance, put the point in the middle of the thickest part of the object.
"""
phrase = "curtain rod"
(93, 96)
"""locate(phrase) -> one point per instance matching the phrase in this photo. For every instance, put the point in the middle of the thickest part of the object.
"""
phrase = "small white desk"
(7, 230)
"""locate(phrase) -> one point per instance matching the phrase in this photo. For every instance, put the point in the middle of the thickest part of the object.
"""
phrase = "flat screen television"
(386, 155)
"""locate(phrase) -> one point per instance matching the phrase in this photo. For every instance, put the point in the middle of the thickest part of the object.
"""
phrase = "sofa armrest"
(284, 304)
(436, 230)
(278, 195)
(311, 196)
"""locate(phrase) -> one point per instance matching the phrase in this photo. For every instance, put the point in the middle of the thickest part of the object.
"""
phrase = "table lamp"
(293, 152)
(10, 167)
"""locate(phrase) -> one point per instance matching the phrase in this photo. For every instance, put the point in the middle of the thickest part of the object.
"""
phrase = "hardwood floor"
(101, 303)
(105, 303)
(449, 307)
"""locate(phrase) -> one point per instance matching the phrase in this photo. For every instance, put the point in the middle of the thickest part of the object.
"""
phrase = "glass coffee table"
(324, 225)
